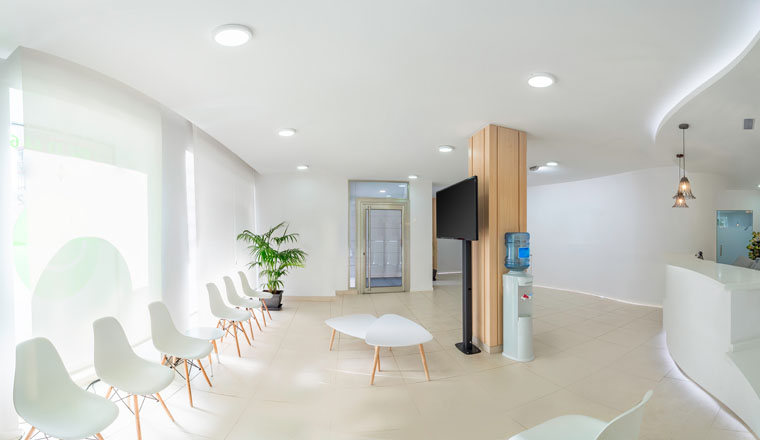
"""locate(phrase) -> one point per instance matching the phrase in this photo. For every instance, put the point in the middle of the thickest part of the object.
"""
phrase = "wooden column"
(497, 155)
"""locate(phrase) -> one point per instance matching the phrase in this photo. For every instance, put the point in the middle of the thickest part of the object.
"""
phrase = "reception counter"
(711, 316)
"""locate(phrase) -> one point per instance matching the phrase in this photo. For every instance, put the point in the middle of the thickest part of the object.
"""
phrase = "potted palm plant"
(273, 262)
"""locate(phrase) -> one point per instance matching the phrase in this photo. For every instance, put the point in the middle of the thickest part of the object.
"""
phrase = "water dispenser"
(518, 298)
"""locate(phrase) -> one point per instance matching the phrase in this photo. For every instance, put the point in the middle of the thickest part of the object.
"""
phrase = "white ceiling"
(716, 141)
(374, 87)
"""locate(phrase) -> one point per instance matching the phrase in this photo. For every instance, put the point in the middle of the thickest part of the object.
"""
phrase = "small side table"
(208, 334)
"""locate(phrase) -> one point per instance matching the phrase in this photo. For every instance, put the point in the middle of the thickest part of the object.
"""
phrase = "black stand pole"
(466, 345)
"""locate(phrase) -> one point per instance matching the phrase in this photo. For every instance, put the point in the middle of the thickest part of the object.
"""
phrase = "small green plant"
(754, 246)
(274, 262)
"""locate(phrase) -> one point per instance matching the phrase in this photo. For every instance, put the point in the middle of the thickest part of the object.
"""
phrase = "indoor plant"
(754, 246)
(273, 262)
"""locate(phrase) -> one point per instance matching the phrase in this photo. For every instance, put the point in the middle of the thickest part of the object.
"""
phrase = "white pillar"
(421, 235)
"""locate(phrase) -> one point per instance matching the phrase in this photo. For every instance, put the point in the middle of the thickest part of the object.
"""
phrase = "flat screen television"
(457, 210)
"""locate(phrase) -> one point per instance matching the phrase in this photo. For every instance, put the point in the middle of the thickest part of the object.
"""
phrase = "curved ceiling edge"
(695, 87)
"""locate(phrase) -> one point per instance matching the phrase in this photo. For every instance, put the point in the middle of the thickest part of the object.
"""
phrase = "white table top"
(205, 333)
(732, 277)
(396, 331)
(352, 325)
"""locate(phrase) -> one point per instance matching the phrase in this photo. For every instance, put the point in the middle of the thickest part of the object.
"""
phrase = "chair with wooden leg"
(117, 365)
(45, 396)
(253, 293)
(242, 302)
(229, 318)
(176, 348)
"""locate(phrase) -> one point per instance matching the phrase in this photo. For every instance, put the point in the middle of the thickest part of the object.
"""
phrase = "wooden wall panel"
(497, 156)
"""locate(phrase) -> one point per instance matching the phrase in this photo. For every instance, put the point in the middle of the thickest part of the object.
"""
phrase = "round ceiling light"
(302, 167)
(445, 148)
(541, 80)
(286, 132)
(382, 191)
(413, 176)
(232, 35)
(552, 164)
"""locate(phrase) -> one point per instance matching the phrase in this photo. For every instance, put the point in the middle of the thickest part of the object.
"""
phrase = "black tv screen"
(456, 210)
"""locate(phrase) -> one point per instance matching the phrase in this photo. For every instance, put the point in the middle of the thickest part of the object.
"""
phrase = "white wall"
(608, 236)
(421, 235)
(449, 256)
(316, 206)
(225, 200)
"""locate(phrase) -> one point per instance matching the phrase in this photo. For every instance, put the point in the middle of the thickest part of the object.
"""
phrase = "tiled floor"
(594, 357)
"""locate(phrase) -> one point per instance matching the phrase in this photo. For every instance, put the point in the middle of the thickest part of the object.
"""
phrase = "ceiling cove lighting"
(231, 35)
(552, 164)
(286, 132)
(413, 176)
(302, 167)
(541, 80)
(445, 148)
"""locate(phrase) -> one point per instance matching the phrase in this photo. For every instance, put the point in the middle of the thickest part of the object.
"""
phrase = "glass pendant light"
(684, 186)
(678, 188)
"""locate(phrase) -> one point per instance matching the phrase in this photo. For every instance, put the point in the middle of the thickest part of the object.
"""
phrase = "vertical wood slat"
(497, 155)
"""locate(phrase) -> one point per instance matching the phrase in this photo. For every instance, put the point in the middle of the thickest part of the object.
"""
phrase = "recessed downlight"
(552, 164)
(286, 132)
(232, 35)
(445, 148)
(302, 167)
(402, 185)
(413, 176)
(541, 80)
(383, 191)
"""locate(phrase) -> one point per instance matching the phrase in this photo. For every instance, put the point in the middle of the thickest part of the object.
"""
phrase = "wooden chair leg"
(424, 362)
(332, 339)
(209, 360)
(263, 316)
(242, 328)
(108, 394)
(204, 373)
(164, 405)
(264, 303)
(187, 379)
(216, 351)
(374, 365)
(257, 320)
(100, 437)
(250, 326)
(137, 416)
(236, 339)
(31, 432)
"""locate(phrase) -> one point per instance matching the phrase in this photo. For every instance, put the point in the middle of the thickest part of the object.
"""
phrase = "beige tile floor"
(593, 356)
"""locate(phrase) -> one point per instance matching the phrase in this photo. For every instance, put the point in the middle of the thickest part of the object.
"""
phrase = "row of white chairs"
(46, 397)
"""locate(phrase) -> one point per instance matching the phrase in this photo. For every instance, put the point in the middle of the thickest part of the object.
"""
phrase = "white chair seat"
(205, 333)
(187, 348)
(257, 294)
(233, 314)
(396, 331)
(352, 325)
(143, 378)
(245, 302)
(564, 428)
(70, 419)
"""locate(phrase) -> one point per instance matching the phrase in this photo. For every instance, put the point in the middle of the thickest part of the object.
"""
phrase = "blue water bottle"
(518, 251)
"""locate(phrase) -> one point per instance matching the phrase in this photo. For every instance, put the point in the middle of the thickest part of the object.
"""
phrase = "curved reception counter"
(711, 317)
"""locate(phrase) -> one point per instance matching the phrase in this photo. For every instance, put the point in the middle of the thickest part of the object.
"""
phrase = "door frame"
(362, 204)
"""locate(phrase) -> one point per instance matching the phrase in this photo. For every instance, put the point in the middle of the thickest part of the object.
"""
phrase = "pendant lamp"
(684, 186)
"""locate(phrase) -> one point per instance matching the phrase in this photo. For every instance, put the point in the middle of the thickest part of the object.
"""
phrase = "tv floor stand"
(466, 346)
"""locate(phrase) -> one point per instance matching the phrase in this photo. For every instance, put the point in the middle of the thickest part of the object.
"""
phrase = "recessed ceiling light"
(445, 148)
(286, 132)
(402, 185)
(413, 176)
(382, 191)
(232, 35)
(541, 80)
(552, 164)
(758, 186)
(302, 167)
(388, 195)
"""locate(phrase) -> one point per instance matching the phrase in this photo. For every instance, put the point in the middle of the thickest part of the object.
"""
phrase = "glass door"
(734, 234)
(382, 247)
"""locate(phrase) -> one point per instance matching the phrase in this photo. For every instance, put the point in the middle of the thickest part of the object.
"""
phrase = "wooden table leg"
(137, 416)
(374, 365)
(187, 379)
(332, 338)
(424, 362)
(164, 405)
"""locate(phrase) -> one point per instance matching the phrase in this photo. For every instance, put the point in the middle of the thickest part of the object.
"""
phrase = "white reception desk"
(711, 316)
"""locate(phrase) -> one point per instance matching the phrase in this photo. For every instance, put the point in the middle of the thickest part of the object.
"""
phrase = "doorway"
(383, 236)
(734, 232)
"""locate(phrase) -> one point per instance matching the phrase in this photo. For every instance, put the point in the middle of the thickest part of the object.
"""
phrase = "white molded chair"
(242, 302)
(253, 293)
(45, 396)
(173, 344)
(117, 365)
(626, 426)
(228, 317)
